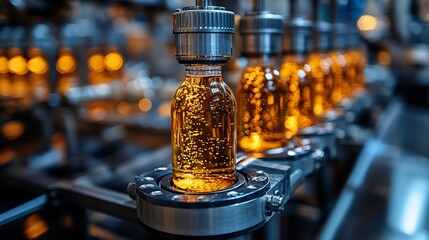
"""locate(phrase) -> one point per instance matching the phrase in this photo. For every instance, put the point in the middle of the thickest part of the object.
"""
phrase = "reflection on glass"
(203, 131)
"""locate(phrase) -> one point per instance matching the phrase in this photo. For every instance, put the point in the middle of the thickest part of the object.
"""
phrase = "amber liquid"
(355, 70)
(340, 86)
(203, 135)
(321, 82)
(261, 100)
(304, 97)
(5, 85)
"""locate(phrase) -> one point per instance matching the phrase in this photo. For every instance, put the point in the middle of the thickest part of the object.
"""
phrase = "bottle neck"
(201, 70)
(261, 61)
(298, 58)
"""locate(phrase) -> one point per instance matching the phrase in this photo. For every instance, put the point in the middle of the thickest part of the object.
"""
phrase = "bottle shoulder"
(209, 95)
(261, 77)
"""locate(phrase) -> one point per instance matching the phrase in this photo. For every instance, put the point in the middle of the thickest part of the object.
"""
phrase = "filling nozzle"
(258, 6)
(203, 2)
(261, 31)
(298, 30)
(209, 26)
(294, 9)
(322, 27)
(338, 20)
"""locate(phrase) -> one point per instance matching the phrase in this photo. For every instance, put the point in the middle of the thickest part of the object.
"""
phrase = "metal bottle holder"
(263, 186)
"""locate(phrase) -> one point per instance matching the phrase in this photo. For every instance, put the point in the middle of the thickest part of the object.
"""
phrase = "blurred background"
(85, 91)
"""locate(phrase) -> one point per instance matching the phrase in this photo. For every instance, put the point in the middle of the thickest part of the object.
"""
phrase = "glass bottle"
(304, 97)
(323, 82)
(5, 86)
(203, 131)
(18, 69)
(355, 70)
(261, 100)
(338, 70)
(38, 74)
(66, 66)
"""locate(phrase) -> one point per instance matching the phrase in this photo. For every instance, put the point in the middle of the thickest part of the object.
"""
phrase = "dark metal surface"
(387, 194)
(263, 188)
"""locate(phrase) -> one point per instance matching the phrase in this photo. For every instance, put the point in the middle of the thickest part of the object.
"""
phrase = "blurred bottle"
(38, 74)
(341, 85)
(305, 87)
(203, 127)
(66, 67)
(261, 94)
(42, 53)
(18, 69)
(5, 86)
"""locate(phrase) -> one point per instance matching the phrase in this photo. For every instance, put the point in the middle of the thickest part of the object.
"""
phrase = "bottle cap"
(297, 37)
(261, 33)
(203, 33)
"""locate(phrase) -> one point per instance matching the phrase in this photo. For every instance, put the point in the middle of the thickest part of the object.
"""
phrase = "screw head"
(232, 194)
(156, 193)
(159, 169)
(146, 186)
(259, 178)
(148, 179)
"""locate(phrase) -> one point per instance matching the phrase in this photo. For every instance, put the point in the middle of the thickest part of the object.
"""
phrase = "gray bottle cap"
(322, 36)
(261, 34)
(203, 33)
(340, 36)
(297, 37)
(354, 39)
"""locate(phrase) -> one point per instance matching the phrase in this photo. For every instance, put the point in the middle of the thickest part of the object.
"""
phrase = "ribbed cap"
(297, 37)
(354, 39)
(261, 33)
(322, 36)
(203, 34)
(340, 36)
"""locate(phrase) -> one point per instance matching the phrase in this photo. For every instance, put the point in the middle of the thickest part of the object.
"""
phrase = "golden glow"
(6, 156)
(5, 86)
(20, 87)
(383, 57)
(261, 109)
(65, 83)
(18, 65)
(202, 138)
(38, 65)
(66, 64)
(338, 77)
(3, 64)
(356, 68)
(97, 113)
(97, 78)
(164, 109)
(305, 81)
(292, 123)
(96, 63)
(12, 130)
(321, 78)
(289, 72)
(367, 23)
(35, 227)
(124, 108)
(113, 61)
(145, 104)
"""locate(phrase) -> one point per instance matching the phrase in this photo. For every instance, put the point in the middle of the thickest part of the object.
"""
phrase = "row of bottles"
(24, 77)
(26, 74)
(273, 104)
